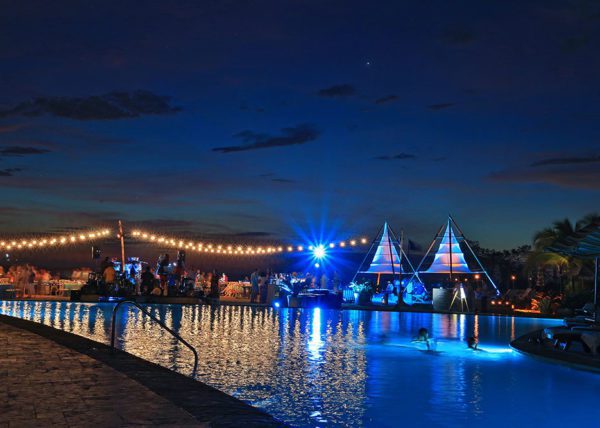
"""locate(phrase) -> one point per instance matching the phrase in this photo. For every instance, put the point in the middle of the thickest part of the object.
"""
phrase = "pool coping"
(205, 403)
(534, 350)
(345, 307)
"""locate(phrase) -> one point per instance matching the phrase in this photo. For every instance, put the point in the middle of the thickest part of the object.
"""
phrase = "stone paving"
(46, 384)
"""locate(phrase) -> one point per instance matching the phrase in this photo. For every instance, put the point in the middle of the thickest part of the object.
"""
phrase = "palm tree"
(593, 218)
(567, 266)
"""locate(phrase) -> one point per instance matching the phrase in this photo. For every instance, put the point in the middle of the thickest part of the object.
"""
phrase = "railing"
(163, 325)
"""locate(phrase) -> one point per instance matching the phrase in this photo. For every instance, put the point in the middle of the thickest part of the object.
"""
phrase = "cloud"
(441, 106)
(337, 91)
(21, 151)
(585, 176)
(276, 179)
(296, 135)
(399, 156)
(164, 222)
(10, 128)
(567, 161)
(9, 172)
(114, 105)
(387, 99)
(252, 234)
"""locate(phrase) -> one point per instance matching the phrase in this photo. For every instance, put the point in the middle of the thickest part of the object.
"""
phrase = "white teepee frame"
(392, 242)
(460, 237)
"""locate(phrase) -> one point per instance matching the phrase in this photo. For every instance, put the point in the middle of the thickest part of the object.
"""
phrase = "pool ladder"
(149, 314)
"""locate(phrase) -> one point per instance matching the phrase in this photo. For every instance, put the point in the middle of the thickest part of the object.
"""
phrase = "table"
(234, 289)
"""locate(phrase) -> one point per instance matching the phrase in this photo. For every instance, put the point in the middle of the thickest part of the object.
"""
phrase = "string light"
(54, 241)
(234, 249)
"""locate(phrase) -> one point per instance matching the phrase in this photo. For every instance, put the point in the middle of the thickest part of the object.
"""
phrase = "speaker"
(96, 253)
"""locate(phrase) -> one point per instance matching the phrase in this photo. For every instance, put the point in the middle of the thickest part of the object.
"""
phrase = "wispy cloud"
(252, 234)
(387, 99)
(567, 161)
(114, 105)
(296, 135)
(21, 151)
(399, 156)
(440, 106)
(586, 176)
(272, 177)
(10, 128)
(338, 91)
(283, 180)
(9, 172)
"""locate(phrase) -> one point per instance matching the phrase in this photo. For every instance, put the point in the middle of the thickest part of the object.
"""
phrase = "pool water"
(349, 368)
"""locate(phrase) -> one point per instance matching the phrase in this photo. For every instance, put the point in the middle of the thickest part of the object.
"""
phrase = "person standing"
(214, 287)
(324, 281)
(163, 267)
(30, 280)
(263, 287)
(336, 281)
(254, 289)
(147, 281)
(198, 281)
(109, 275)
(105, 263)
(179, 274)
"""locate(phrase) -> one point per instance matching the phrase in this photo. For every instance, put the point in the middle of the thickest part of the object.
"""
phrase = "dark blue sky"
(270, 118)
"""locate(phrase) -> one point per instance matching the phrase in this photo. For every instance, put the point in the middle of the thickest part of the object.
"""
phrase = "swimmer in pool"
(422, 336)
(473, 342)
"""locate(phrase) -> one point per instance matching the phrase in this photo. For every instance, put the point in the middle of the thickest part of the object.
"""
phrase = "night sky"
(278, 119)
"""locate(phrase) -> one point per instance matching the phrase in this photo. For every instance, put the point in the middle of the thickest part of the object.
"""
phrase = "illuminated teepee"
(449, 258)
(388, 255)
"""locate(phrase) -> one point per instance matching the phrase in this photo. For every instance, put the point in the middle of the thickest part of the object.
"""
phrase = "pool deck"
(531, 345)
(52, 378)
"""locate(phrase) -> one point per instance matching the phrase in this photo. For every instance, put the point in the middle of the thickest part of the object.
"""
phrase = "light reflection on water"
(340, 368)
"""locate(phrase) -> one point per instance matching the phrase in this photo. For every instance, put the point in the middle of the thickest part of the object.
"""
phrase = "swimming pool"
(348, 368)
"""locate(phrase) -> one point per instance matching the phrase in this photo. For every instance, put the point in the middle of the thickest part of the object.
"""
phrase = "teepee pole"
(450, 245)
(437, 235)
(407, 260)
(368, 252)
(390, 234)
(475, 256)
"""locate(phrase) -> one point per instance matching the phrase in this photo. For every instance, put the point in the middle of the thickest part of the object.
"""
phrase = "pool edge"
(205, 403)
(523, 347)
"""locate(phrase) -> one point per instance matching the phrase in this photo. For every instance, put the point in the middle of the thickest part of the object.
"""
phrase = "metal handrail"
(163, 325)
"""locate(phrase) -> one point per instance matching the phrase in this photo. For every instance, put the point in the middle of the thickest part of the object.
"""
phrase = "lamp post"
(513, 278)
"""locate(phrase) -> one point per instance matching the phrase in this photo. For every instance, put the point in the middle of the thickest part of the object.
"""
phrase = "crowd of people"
(166, 278)
(27, 280)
